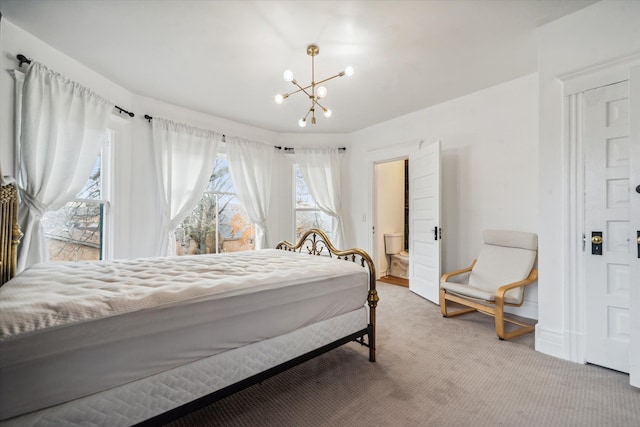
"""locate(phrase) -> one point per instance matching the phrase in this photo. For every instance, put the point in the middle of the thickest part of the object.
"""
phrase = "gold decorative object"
(10, 233)
(313, 91)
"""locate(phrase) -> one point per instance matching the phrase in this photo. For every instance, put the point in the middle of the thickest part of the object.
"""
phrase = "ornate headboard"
(10, 233)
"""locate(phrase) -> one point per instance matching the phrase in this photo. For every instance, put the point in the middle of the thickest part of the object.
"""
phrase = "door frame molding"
(391, 153)
(575, 84)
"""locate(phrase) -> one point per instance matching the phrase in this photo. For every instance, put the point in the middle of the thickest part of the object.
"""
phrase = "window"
(308, 215)
(218, 223)
(78, 230)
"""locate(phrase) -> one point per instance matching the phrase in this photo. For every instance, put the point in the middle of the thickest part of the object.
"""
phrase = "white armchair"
(495, 279)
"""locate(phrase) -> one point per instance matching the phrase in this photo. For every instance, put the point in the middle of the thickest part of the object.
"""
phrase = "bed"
(145, 341)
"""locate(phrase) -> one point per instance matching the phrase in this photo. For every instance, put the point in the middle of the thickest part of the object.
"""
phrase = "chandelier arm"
(320, 105)
(307, 115)
(285, 95)
(296, 91)
(340, 74)
(303, 89)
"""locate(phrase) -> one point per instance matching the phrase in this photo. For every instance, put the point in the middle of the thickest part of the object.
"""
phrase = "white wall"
(603, 33)
(389, 207)
(489, 167)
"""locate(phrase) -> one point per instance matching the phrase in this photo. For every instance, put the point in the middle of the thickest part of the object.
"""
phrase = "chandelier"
(313, 91)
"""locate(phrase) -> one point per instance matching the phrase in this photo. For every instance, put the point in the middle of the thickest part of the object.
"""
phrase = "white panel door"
(634, 167)
(424, 221)
(607, 156)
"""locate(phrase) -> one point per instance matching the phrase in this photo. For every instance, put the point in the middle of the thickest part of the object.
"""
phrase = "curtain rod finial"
(22, 59)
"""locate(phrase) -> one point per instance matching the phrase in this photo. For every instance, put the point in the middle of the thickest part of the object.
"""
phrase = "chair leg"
(500, 326)
(443, 307)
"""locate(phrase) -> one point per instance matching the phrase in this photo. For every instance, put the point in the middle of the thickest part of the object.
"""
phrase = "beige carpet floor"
(432, 371)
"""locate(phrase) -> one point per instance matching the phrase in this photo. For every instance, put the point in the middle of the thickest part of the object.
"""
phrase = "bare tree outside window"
(218, 223)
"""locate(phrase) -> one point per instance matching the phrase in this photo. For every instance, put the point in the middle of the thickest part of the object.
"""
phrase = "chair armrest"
(446, 276)
(533, 276)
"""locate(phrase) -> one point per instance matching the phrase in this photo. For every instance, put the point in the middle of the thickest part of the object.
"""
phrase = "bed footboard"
(316, 242)
(10, 233)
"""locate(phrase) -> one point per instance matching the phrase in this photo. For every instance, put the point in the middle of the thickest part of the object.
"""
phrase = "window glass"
(218, 223)
(308, 215)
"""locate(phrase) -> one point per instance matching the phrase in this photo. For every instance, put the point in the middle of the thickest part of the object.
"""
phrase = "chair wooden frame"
(492, 308)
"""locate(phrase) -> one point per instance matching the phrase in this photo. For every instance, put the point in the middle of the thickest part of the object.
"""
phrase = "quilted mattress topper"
(52, 295)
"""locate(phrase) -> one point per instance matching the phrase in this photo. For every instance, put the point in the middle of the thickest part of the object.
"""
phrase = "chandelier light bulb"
(279, 99)
(302, 123)
(327, 113)
(288, 76)
(321, 92)
(348, 71)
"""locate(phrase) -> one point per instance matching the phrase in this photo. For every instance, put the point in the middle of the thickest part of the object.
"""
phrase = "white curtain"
(63, 126)
(320, 169)
(250, 165)
(184, 157)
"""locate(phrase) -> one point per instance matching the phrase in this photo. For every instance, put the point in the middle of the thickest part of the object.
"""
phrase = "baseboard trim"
(550, 342)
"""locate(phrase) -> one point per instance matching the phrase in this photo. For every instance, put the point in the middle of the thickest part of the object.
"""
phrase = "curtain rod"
(23, 59)
(290, 149)
(149, 118)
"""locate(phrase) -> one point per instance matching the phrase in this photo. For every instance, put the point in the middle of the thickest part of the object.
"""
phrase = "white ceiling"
(226, 58)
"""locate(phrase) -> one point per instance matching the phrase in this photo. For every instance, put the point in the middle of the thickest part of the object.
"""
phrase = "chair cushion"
(506, 257)
(472, 292)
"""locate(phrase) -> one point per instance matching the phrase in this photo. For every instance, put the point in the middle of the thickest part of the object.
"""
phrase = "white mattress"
(68, 330)
(142, 399)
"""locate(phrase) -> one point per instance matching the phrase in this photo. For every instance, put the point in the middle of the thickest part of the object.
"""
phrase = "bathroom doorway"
(392, 221)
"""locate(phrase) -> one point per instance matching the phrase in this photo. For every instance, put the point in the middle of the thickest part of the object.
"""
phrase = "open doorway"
(392, 221)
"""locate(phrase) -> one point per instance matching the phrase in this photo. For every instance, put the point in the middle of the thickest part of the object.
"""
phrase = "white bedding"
(73, 329)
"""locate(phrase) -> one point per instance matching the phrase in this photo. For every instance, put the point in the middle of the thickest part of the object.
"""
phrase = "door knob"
(596, 243)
